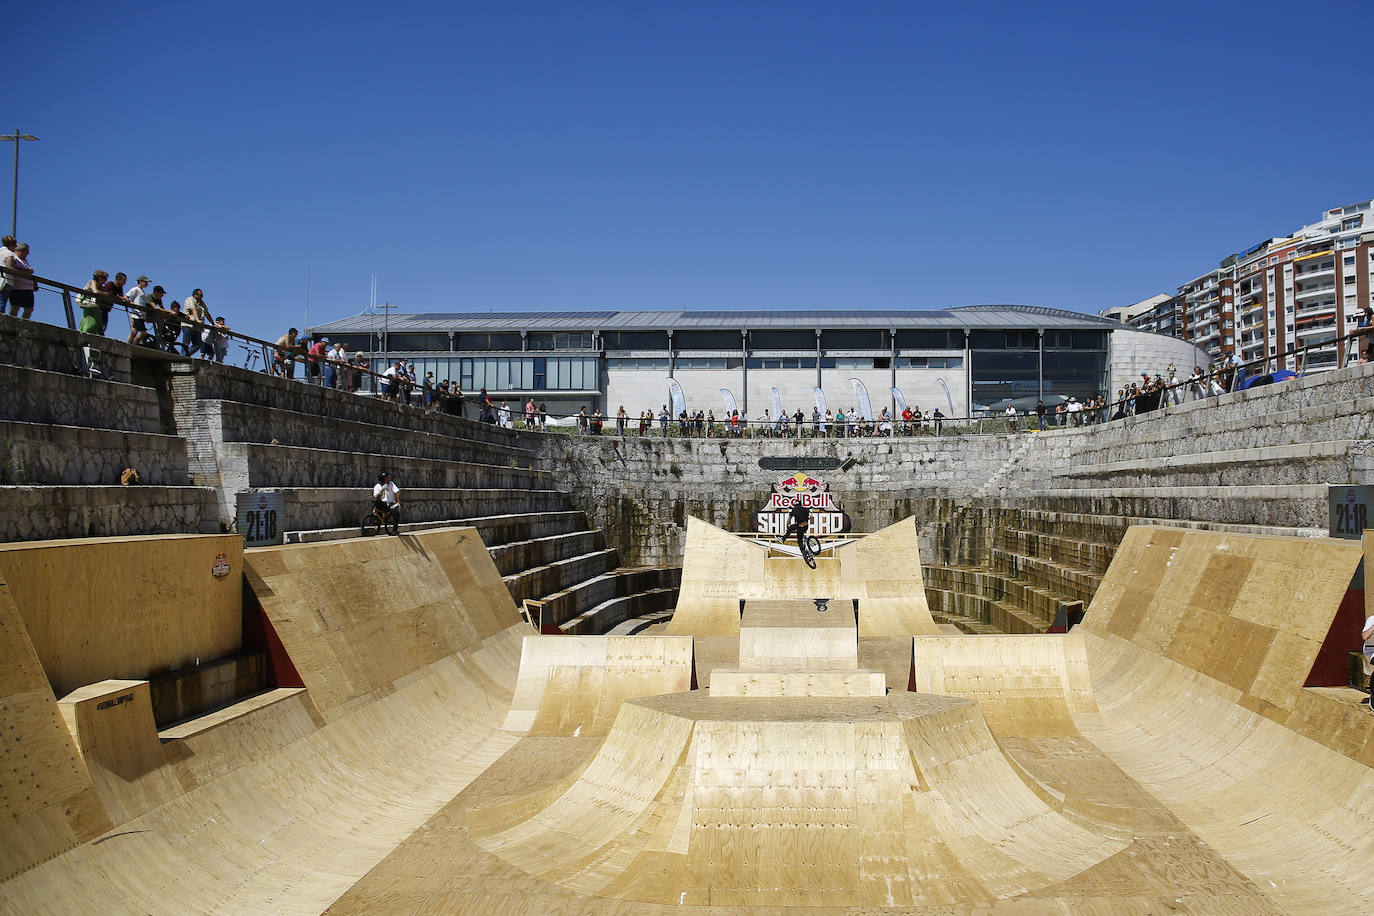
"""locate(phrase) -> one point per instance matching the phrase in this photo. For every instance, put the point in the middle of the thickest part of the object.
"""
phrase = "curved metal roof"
(968, 316)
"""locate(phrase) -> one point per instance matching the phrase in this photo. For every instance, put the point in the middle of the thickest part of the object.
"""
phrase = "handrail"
(158, 316)
(1108, 411)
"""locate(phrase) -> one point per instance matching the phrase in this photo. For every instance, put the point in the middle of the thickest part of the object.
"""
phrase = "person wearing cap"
(220, 335)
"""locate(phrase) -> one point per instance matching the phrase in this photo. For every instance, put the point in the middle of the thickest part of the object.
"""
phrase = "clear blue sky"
(653, 155)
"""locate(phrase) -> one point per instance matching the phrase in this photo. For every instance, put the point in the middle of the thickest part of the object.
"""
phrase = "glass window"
(865, 339)
(635, 340)
(909, 339)
(782, 340)
(419, 341)
(713, 340)
(540, 374)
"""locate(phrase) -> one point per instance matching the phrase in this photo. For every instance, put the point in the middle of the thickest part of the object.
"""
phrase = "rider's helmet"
(383, 477)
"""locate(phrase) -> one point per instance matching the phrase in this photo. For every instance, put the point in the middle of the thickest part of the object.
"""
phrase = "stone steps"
(1200, 434)
(517, 556)
(344, 507)
(197, 381)
(47, 512)
(247, 465)
(494, 529)
(577, 599)
(1275, 465)
(39, 396)
(608, 614)
(1296, 506)
(557, 576)
(41, 453)
(49, 348)
(240, 422)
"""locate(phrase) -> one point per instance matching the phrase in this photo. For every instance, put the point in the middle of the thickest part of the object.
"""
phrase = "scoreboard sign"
(1349, 511)
(260, 518)
(801, 489)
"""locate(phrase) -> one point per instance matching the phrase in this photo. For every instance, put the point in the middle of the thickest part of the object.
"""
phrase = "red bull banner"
(801, 489)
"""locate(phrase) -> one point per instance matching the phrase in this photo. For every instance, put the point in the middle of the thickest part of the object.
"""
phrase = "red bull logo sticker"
(801, 489)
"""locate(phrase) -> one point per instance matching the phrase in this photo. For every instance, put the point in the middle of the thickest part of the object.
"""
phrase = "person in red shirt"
(317, 355)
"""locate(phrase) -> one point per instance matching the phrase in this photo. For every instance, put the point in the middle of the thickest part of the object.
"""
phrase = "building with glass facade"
(961, 360)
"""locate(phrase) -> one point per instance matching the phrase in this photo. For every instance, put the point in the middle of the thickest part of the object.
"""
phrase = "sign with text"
(801, 489)
(1349, 508)
(260, 518)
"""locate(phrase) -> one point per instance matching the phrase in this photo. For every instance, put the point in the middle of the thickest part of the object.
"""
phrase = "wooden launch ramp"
(1165, 756)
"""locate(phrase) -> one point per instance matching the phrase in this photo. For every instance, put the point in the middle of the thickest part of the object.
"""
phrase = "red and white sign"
(801, 489)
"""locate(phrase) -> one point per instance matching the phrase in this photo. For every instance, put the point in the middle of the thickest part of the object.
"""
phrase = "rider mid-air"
(799, 521)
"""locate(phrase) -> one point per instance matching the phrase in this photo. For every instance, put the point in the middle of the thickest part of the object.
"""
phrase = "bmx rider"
(386, 498)
(799, 521)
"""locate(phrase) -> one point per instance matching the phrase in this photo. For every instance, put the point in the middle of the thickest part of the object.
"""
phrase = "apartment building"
(1299, 290)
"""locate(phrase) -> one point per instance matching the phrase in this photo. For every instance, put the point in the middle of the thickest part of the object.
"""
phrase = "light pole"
(15, 138)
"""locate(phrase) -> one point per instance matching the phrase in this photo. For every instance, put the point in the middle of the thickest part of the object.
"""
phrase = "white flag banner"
(729, 399)
(678, 399)
(899, 401)
(861, 395)
(820, 402)
(777, 403)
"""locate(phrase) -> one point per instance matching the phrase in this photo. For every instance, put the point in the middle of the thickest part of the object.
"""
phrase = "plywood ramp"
(880, 808)
(281, 811)
(574, 685)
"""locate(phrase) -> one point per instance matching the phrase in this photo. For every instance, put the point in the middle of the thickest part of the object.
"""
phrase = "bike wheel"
(371, 526)
(813, 545)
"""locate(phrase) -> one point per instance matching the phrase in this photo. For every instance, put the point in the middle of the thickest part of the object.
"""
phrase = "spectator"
(1011, 418)
(217, 339)
(543, 416)
(531, 416)
(1041, 412)
(138, 324)
(644, 422)
(938, 419)
(594, 426)
(334, 357)
(153, 312)
(6, 249)
(504, 416)
(114, 290)
(392, 377)
(1237, 371)
(314, 366)
(1366, 344)
(582, 421)
(19, 289)
(89, 302)
(663, 421)
(197, 318)
(427, 389)
(284, 357)
(620, 422)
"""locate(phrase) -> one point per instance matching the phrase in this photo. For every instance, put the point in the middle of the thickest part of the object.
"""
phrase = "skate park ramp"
(1164, 756)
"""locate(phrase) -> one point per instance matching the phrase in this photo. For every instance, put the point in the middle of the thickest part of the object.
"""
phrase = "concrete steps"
(41, 453)
(517, 556)
(605, 616)
(580, 598)
(1273, 465)
(344, 507)
(551, 578)
(50, 512)
(240, 422)
(38, 396)
(276, 466)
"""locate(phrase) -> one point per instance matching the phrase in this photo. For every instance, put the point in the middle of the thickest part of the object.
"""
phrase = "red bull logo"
(801, 489)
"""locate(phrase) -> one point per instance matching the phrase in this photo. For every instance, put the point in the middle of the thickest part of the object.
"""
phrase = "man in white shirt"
(1237, 372)
(1011, 418)
(1074, 410)
(386, 496)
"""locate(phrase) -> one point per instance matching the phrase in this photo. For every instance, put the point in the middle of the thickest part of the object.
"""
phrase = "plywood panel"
(126, 607)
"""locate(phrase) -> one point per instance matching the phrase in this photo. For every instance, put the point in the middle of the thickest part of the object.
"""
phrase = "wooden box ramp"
(573, 685)
(881, 570)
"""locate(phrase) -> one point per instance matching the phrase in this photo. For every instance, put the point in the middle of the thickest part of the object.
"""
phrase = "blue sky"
(652, 155)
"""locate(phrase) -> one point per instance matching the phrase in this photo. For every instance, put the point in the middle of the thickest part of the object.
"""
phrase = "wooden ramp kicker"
(574, 685)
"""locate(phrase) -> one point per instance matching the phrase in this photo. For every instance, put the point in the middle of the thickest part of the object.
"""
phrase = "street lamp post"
(16, 138)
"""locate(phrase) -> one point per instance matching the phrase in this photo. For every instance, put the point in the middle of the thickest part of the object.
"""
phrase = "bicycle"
(376, 521)
(810, 547)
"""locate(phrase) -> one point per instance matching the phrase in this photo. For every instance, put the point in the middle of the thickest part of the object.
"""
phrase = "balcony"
(1315, 273)
(1307, 292)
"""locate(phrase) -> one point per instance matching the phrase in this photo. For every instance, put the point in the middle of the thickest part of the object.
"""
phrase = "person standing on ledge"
(19, 289)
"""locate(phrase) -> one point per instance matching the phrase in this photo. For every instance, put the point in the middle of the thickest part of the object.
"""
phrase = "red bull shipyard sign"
(801, 489)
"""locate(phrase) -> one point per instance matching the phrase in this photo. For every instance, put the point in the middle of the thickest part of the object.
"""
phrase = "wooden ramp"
(1163, 757)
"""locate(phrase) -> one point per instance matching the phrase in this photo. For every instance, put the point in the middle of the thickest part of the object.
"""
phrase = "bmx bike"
(810, 547)
(376, 521)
